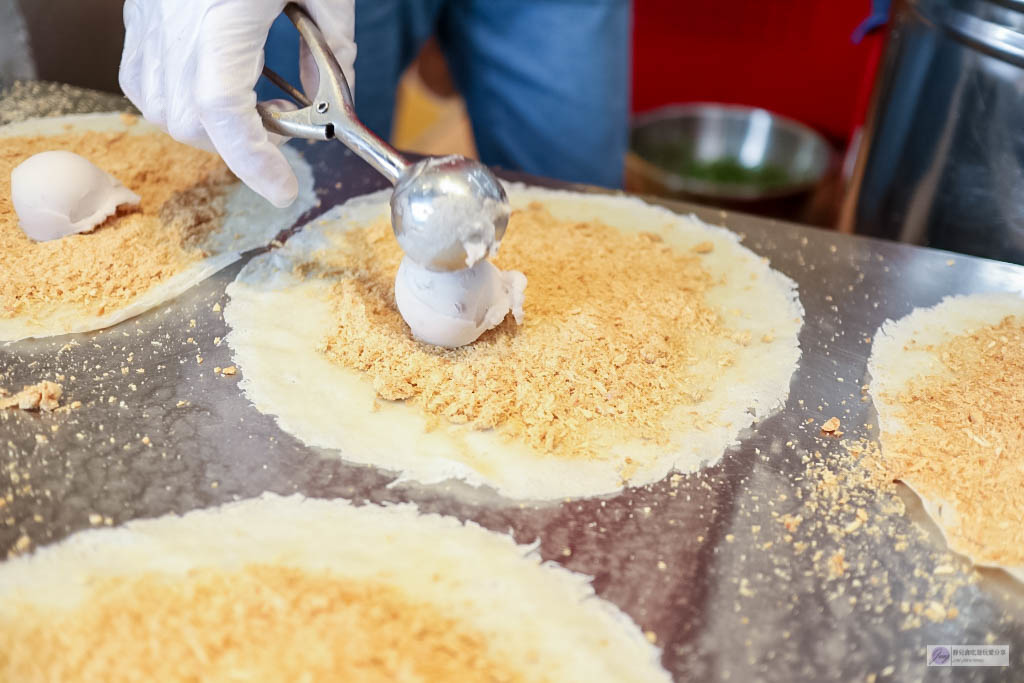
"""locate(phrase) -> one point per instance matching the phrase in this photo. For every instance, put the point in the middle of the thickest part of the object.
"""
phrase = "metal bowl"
(725, 152)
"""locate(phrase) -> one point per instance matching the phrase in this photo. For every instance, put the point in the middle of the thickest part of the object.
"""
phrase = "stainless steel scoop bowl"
(468, 189)
(440, 204)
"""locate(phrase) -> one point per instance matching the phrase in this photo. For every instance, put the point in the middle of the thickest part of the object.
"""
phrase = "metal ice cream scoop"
(446, 212)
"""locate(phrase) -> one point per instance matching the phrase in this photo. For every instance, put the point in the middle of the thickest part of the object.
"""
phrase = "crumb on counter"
(831, 427)
(43, 396)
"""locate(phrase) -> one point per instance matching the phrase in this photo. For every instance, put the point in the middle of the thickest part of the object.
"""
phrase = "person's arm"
(190, 66)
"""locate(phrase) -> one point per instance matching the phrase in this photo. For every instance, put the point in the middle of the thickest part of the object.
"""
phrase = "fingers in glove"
(140, 72)
(180, 77)
(131, 56)
(228, 68)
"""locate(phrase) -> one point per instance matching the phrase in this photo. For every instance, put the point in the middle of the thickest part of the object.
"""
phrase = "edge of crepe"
(560, 478)
(509, 585)
(70, 320)
(891, 367)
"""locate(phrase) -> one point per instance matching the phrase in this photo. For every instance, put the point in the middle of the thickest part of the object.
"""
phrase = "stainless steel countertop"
(702, 561)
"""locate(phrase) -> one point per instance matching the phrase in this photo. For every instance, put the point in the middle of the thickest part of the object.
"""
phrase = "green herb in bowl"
(732, 172)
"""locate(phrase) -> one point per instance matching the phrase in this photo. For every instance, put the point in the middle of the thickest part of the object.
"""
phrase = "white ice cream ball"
(59, 193)
(453, 308)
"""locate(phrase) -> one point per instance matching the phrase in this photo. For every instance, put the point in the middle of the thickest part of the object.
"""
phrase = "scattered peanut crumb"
(42, 396)
(831, 427)
(837, 564)
(965, 442)
(21, 545)
(935, 611)
(791, 522)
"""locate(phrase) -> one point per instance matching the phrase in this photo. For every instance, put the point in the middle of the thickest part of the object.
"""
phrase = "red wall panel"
(794, 57)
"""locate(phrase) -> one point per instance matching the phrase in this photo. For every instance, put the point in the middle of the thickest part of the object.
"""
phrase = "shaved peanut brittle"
(617, 335)
(964, 440)
(183, 194)
(258, 623)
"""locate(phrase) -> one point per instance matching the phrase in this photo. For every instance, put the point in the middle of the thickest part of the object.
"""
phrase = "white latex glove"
(190, 66)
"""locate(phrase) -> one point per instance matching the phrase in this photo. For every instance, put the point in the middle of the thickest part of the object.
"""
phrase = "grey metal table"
(707, 562)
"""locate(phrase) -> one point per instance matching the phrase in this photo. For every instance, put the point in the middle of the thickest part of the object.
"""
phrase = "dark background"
(75, 41)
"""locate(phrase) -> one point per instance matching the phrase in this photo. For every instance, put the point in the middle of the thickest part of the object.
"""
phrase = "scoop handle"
(331, 112)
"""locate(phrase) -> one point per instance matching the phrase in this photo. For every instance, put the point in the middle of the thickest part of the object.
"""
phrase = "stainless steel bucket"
(942, 158)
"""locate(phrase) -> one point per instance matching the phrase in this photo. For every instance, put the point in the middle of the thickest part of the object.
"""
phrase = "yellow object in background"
(429, 123)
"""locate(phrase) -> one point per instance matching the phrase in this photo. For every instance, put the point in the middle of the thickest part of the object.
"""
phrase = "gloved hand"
(190, 66)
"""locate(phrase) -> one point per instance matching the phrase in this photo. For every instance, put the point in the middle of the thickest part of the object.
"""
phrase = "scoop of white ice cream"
(60, 193)
(453, 308)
